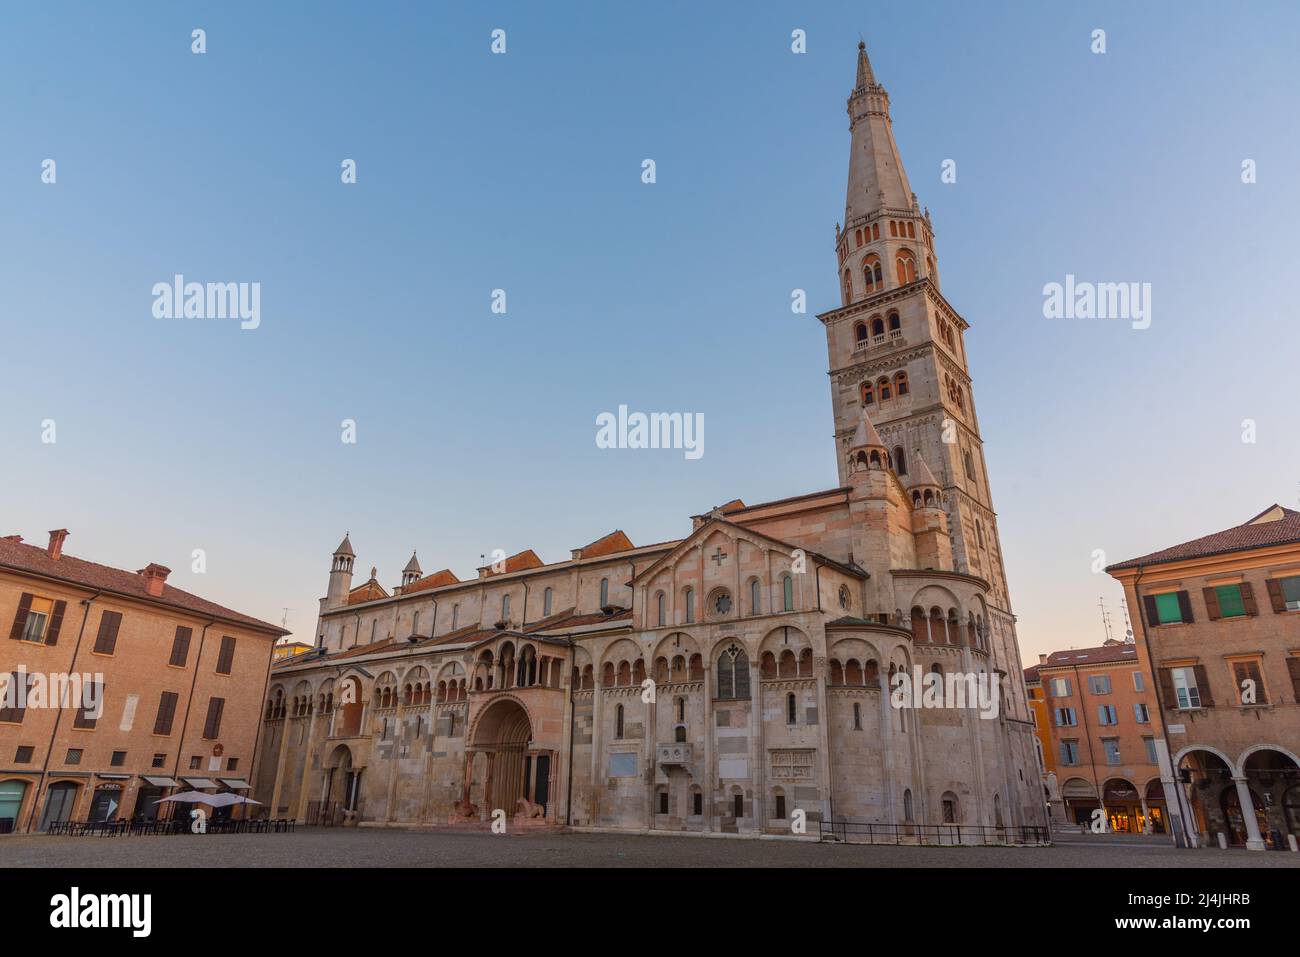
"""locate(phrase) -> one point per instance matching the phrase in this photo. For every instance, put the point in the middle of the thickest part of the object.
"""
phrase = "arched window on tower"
(883, 387)
(848, 286)
(791, 707)
(900, 383)
(860, 332)
(857, 235)
(895, 324)
(900, 460)
(548, 597)
(690, 604)
(868, 394)
(979, 533)
(906, 266)
(875, 231)
(755, 605)
(661, 601)
(872, 275)
(604, 592)
(787, 592)
(877, 326)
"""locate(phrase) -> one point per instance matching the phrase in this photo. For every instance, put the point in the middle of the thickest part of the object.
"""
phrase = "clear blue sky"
(522, 172)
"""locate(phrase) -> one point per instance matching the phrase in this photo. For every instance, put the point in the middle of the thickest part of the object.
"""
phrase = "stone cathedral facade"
(726, 680)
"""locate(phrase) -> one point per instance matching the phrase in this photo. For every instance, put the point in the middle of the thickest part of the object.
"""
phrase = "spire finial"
(865, 77)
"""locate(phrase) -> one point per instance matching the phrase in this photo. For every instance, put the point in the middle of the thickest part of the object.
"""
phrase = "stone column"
(759, 811)
(597, 745)
(1254, 840)
(279, 766)
(304, 784)
(708, 785)
(650, 730)
(823, 737)
(485, 814)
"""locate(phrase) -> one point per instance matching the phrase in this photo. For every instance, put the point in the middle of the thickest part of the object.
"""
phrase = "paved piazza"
(374, 847)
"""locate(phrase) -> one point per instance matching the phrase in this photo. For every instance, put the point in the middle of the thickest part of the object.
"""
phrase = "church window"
(895, 324)
(618, 722)
(871, 274)
(690, 604)
(911, 230)
(663, 801)
(907, 804)
(455, 612)
(547, 597)
(875, 230)
(661, 603)
(721, 602)
(860, 332)
(755, 608)
(877, 326)
(900, 459)
(857, 716)
(979, 533)
(883, 386)
(848, 287)
(868, 394)
(893, 227)
(966, 460)
(900, 383)
(681, 710)
(738, 804)
(949, 808)
(733, 673)
(604, 592)
(790, 709)
(505, 607)
(906, 268)
(857, 235)
(787, 590)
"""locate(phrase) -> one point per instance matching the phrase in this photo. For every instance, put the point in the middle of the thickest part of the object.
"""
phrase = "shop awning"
(160, 781)
(112, 777)
(199, 783)
(235, 784)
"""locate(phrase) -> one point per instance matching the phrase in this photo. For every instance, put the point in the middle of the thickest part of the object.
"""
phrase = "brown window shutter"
(1211, 603)
(1261, 693)
(166, 713)
(1293, 668)
(1167, 695)
(181, 646)
(1185, 607)
(106, 640)
(20, 619)
(1203, 686)
(1275, 595)
(212, 726)
(83, 718)
(1248, 599)
(1149, 603)
(15, 714)
(56, 623)
(226, 657)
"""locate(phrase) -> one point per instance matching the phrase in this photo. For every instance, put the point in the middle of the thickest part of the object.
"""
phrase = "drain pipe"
(58, 717)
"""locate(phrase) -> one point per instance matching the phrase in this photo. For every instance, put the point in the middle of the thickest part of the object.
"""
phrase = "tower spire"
(876, 176)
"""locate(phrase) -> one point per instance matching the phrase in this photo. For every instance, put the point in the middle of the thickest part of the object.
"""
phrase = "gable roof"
(20, 557)
(615, 541)
(517, 562)
(1273, 526)
(367, 592)
(436, 580)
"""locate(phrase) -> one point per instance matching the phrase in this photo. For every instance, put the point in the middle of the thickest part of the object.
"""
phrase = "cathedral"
(737, 679)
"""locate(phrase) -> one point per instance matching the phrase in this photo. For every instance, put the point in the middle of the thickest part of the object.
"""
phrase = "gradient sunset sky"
(522, 172)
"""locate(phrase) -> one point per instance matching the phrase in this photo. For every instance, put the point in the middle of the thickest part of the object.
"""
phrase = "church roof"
(1273, 526)
(370, 591)
(413, 565)
(436, 580)
(516, 563)
(615, 541)
(345, 548)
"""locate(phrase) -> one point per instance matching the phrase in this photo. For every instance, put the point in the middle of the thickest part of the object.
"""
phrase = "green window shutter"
(1231, 604)
(1168, 608)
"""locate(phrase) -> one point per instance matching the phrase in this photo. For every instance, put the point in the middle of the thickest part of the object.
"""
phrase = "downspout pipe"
(58, 718)
(189, 702)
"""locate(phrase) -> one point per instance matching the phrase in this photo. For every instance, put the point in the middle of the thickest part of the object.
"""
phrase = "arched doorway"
(1123, 806)
(503, 733)
(59, 802)
(342, 790)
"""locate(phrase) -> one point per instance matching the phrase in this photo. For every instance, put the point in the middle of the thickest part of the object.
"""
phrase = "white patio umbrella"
(195, 797)
(222, 800)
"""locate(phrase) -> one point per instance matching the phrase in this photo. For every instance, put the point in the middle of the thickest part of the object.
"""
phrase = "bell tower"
(896, 352)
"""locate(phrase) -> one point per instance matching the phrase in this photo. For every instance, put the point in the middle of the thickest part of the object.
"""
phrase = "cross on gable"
(719, 556)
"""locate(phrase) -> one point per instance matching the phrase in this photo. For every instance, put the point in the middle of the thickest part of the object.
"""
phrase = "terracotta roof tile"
(77, 571)
(370, 591)
(436, 580)
(1260, 532)
(615, 541)
(1090, 656)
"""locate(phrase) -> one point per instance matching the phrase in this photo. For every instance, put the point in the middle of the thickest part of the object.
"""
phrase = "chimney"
(155, 576)
(1042, 659)
(55, 548)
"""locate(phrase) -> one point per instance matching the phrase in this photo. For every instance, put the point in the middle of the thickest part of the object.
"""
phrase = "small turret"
(866, 450)
(929, 520)
(411, 573)
(340, 575)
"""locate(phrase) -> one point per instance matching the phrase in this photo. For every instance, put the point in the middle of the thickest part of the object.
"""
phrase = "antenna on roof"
(284, 619)
(1105, 617)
